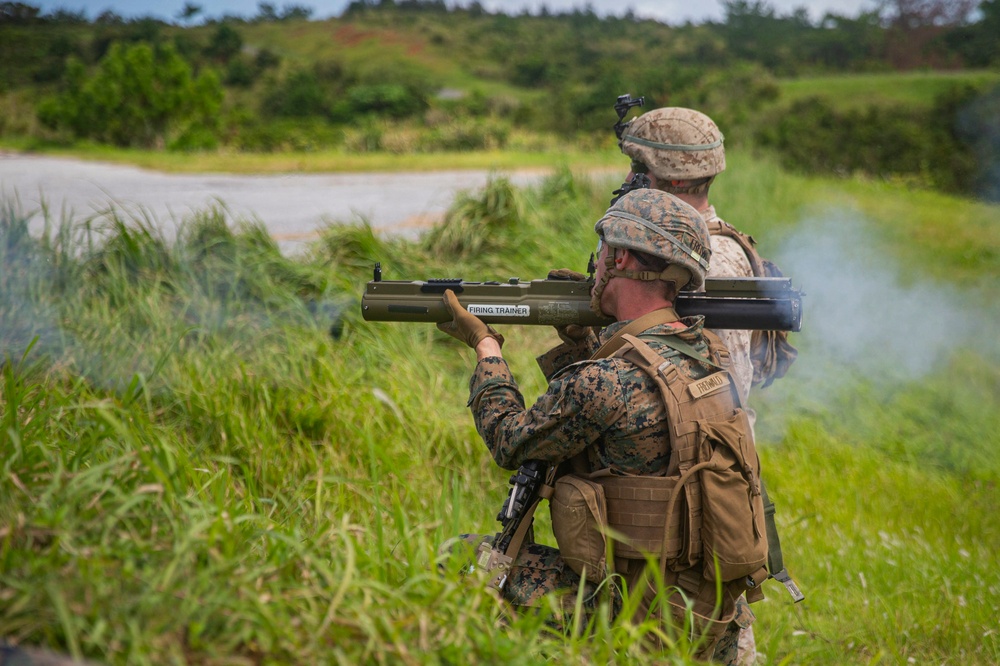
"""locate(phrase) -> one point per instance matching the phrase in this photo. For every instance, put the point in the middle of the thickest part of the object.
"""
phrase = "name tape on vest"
(709, 384)
(499, 310)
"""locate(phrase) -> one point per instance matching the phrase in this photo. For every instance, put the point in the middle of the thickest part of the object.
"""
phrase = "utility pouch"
(579, 517)
(707, 623)
(732, 530)
(495, 564)
(637, 516)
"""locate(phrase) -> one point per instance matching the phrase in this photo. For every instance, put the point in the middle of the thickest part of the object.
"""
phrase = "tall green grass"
(196, 471)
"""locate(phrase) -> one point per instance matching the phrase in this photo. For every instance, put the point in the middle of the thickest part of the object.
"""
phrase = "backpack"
(770, 352)
(704, 519)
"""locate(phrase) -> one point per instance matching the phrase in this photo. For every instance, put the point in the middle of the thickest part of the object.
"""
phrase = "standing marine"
(681, 151)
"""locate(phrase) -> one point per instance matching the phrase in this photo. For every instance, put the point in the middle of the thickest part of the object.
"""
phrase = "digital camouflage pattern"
(610, 409)
(731, 649)
(539, 570)
(675, 144)
(729, 260)
(659, 224)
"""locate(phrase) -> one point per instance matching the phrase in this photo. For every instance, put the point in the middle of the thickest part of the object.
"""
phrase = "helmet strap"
(609, 271)
(675, 273)
(672, 273)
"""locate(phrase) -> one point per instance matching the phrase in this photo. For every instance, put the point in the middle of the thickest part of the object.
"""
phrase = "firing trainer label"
(499, 310)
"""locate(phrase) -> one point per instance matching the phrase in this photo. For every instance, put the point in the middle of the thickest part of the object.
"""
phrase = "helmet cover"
(675, 144)
(661, 225)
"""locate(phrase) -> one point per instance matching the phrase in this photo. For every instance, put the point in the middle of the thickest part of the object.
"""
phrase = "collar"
(693, 326)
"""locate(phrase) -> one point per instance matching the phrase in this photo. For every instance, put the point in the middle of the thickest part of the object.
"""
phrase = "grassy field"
(196, 471)
(913, 90)
(332, 161)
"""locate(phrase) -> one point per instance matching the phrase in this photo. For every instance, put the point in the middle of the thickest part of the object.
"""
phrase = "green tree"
(18, 12)
(140, 96)
(225, 43)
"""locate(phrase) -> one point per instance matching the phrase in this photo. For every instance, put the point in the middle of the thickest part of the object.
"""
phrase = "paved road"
(294, 207)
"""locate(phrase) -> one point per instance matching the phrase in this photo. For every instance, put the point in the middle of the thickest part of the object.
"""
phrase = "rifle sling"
(544, 492)
(775, 561)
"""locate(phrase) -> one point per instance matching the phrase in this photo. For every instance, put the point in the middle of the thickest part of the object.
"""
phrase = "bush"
(240, 73)
(392, 100)
(249, 133)
(933, 148)
(298, 95)
(140, 96)
(467, 134)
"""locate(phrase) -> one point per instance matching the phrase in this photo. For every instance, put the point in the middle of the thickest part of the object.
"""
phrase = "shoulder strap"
(634, 327)
(679, 345)
(717, 227)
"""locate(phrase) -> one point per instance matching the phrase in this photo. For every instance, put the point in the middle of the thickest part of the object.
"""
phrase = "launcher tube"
(740, 303)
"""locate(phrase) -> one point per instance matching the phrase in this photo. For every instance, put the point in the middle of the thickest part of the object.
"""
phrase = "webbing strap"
(775, 561)
(634, 327)
(657, 368)
(679, 345)
(718, 227)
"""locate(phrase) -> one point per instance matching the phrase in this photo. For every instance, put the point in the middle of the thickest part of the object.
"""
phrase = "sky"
(674, 12)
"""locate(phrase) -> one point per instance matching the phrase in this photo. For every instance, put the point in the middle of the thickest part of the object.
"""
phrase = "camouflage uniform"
(607, 409)
(678, 144)
(729, 260)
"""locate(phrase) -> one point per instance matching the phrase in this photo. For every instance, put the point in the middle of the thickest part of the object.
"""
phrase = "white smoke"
(866, 317)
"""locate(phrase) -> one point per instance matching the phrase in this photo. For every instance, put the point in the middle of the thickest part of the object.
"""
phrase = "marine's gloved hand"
(567, 274)
(463, 326)
(571, 334)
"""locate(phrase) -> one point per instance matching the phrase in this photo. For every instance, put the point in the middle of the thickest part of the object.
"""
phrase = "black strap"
(775, 562)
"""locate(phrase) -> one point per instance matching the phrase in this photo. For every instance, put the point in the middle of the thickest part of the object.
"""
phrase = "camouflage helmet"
(675, 144)
(661, 225)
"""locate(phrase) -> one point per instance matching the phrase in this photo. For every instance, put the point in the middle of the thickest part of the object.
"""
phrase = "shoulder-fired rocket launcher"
(740, 303)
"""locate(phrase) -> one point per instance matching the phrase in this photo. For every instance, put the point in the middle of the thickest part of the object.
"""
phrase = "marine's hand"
(573, 334)
(463, 326)
(567, 274)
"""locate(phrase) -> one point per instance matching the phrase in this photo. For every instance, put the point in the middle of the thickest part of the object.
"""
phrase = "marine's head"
(675, 144)
(668, 237)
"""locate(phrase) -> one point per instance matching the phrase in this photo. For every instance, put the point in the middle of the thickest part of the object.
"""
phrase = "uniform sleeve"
(728, 260)
(571, 415)
(566, 354)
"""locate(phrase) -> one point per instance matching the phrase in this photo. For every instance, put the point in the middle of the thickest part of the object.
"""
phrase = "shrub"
(933, 148)
(391, 100)
(298, 95)
(139, 97)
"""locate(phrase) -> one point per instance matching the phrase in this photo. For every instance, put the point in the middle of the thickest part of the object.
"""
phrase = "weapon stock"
(740, 303)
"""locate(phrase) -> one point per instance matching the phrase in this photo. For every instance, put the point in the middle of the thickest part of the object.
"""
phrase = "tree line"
(200, 82)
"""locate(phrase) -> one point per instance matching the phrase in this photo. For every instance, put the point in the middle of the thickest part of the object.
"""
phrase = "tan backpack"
(704, 519)
(770, 351)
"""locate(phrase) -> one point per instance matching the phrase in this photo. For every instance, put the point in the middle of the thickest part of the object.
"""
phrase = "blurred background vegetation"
(908, 91)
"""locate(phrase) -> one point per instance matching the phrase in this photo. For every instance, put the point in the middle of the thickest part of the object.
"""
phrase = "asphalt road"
(294, 207)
